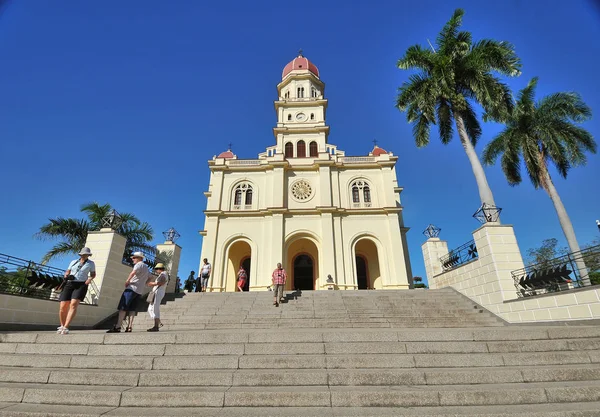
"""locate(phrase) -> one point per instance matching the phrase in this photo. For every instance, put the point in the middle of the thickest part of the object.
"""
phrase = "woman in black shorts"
(79, 274)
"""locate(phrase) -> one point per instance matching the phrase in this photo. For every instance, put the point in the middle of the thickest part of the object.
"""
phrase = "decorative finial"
(300, 52)
(487, 213)
(432, 231)
(229, 146)
(171, 235)
(375, 142)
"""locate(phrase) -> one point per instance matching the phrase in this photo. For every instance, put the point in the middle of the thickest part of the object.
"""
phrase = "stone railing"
(357, 159)
(243, 162)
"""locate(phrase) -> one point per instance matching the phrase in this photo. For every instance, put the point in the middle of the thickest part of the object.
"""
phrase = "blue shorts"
(129, 300)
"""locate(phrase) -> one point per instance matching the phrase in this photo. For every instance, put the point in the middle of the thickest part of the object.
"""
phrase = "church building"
(304, 203)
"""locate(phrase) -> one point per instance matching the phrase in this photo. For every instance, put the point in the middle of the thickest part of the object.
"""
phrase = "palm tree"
(543, 133)
(73, 232)
(450, 80)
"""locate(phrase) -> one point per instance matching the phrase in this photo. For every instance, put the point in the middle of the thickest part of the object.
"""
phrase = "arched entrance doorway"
(246, 265)
(302, 262)
(362, 278)
(237, 253)
(303, 273)
(368, 274)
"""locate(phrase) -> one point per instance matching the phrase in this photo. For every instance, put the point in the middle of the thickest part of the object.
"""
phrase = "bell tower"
(301, 107)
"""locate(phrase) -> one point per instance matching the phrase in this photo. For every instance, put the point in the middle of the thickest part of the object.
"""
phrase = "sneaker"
(64, 331)
(59, 329)
(152, 329)
(114, 330)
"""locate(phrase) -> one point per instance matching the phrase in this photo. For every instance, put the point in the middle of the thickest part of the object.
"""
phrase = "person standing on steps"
(279, 277)
(205, 271)
(190, 282)
(134, 287)
(156, 296)
(75, 288)
(241, 278)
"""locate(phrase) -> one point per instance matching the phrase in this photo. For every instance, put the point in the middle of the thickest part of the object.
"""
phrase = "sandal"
(152, 329)
(128, 330)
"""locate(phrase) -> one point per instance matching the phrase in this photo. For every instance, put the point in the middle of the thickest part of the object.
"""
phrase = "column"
(171, 253)
(327, 252)
(433, 249)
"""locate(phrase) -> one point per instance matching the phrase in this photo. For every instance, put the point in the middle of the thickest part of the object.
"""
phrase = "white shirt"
(205, 271)
(81, 272)
(138, 282)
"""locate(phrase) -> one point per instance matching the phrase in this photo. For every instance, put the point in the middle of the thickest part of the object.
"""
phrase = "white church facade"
(306, 204)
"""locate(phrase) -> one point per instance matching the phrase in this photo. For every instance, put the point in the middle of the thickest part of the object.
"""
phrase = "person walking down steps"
(242, 276)
(156, 296)
(278, 278)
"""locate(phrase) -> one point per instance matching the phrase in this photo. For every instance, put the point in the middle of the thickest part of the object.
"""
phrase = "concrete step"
(304, 396)
(305, 377)
(276, 345)
(573, 409)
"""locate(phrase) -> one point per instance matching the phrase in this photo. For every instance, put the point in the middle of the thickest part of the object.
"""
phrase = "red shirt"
(279, 276)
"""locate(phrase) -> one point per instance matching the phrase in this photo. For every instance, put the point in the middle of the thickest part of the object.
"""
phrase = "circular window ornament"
(301, 191)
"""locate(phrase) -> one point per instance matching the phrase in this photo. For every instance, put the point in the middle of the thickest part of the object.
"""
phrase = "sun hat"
(85, 251)
(138, 255)
(159, 266)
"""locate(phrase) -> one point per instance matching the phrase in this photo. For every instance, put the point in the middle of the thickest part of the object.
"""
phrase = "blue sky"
(124, 102)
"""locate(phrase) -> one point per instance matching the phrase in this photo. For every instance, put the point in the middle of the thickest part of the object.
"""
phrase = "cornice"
(315, 211)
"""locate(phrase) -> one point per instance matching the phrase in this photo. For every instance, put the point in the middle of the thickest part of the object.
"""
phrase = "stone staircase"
(327, 353)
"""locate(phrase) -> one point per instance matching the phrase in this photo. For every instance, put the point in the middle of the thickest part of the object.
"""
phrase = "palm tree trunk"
(485, 193)
(565, 223)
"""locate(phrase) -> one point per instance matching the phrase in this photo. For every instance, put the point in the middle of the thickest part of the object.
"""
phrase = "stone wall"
(107, 248)
(487, 280)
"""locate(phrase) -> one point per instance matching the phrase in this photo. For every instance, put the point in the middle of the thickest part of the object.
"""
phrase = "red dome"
(299, 63)
(226, 154)
(377, 151)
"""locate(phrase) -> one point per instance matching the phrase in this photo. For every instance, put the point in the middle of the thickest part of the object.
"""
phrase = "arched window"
(312, 116)
(301, 149)
(313, 149)
(289, 117)
(355, 195)
(361, 194)
(287, 94)
(242, 197)
(300, 92)
(313, 92)
(366, 194)
(289, 150)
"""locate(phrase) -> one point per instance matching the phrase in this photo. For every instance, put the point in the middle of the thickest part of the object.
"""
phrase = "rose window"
(301, 190)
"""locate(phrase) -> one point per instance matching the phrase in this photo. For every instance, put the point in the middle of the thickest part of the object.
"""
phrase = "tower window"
(313, 149)
(313, 92)
(300, 92)
(289, 117)
(312, 116)
(301, 149)
(361, 194)
(289, 150)
(287, 94)
(242, 199)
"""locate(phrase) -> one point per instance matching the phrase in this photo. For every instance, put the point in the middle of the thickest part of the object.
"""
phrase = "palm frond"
(59, 250)
(472, 125)
(444, 120)
(447, 37)
(417, 57)
(498, 56)
(565, 106)
(421, 131)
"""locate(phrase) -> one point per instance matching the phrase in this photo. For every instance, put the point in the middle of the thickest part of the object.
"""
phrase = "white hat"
(85, 251)
(138, 255)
